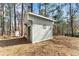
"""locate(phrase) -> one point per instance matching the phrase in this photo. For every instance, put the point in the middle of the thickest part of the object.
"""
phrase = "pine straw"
(59, 46)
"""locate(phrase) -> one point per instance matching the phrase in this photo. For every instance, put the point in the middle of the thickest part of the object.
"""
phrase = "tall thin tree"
(71, 17)
(31, 7)
(45, 9)
(14, 17)
(22, 21)
(2, 22)
(9, 5)
(39, 7)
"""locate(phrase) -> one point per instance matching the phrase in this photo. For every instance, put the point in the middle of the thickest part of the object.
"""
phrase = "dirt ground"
(59, 46)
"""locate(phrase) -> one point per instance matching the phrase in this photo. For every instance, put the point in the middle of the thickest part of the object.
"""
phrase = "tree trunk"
(22, 21)
(10, 20)
(2, 22)
(31, 7)
(39, 7)
(14, 19)
(71, 18)
(45, 10)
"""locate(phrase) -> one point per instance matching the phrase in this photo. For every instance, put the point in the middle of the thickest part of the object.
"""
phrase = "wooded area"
(11, 18)
(65, 14)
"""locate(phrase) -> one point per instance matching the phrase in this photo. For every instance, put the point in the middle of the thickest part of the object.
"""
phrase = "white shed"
(40, 28)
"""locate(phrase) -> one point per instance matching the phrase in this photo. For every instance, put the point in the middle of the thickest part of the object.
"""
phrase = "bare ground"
(59, 46)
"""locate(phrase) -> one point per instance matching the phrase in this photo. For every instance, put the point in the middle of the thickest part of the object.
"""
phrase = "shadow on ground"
(11, 42)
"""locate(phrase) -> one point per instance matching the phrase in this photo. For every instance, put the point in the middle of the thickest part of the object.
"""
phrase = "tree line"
(12, 16)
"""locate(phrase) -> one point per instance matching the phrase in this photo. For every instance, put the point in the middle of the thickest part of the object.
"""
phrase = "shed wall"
(39, 33)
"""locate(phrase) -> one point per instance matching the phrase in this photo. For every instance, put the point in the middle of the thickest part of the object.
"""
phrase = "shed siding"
(39, 33)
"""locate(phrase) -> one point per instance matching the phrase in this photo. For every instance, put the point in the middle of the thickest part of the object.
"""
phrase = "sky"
(36, 8)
